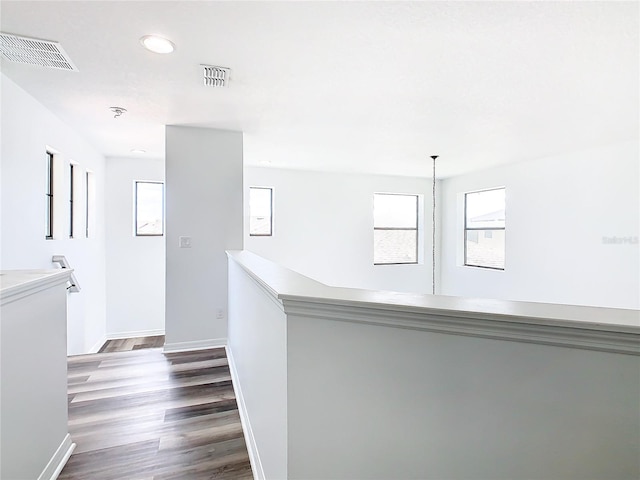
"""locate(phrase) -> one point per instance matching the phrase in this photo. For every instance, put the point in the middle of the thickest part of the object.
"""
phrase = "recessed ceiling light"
(157, 44)
(138, 150)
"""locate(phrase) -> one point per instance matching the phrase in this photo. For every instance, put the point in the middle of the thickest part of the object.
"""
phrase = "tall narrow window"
(149, 210)
(260, 211)
(484, 229)
(71, 198)
(49, 198)
(89, 212)
(395, 228)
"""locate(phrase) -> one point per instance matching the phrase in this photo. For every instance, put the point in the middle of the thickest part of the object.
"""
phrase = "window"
(260, 211)
(395, 228)
(89, 212)
(484, 229)
(49, 198)
(71, 198)
(149, 209)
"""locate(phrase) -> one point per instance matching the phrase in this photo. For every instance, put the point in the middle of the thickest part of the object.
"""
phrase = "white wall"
(384, 403)
(558, 211)
(323, 227)
(405, 386)
(257, 354)
(204, 202)
(135, 265)
(28, 128)
(34, 416)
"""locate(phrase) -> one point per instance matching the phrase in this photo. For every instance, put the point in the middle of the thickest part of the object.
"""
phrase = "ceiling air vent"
(216, 76)
(35, 52)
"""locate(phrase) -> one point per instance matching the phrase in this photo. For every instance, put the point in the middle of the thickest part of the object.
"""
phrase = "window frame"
(71, 198)
(270, 234)
(467, 229)
(135, 209)
(417, 228)
(48, 235)
(86, 204)
(89, 213)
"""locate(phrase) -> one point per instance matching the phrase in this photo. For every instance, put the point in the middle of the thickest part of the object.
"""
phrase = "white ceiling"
(346, 86)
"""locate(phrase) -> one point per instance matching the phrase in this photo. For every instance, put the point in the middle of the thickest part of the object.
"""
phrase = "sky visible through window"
(485, 228)
(260, 218)
(486, 209)
(149, 208)
(395, 228)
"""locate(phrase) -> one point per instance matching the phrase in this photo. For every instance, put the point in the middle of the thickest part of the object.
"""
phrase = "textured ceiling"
(347, 86)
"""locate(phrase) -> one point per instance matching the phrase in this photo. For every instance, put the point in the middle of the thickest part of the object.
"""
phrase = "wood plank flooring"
(147, 415)
(128, 344)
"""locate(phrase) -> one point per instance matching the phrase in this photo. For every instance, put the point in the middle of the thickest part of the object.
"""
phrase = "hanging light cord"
(433, 230)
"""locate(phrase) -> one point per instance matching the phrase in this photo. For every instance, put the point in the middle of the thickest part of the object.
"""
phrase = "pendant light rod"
(433, 229)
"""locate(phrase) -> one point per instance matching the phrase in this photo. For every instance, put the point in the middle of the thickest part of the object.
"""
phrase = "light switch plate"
(184, 242)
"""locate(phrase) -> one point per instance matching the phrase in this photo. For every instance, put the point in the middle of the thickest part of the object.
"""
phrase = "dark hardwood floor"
(128, 344)
(146, 415)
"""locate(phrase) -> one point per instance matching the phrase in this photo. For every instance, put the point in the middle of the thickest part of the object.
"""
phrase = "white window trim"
(135, 209)
(461, 231)
(419, 225)
(273, 215)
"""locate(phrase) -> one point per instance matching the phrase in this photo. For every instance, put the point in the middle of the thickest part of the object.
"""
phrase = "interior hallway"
(143, 414)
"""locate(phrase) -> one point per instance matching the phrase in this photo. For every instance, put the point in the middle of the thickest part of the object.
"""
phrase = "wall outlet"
(184, 242)
(219, 313)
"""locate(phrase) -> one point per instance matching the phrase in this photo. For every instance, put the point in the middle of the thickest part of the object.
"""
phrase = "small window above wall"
(149, 209)
(49, 198)
(395, 229)
(72, 194)
(90, 204)
(260, 211)
(484, 229)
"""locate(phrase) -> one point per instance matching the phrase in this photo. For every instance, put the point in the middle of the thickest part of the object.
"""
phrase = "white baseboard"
(252, 447)
(135, 334)
(96, 348)
(194, 345)
(59, 460)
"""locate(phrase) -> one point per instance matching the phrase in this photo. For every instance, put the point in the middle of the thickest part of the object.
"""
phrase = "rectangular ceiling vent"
(216, 76)
(32, 51)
